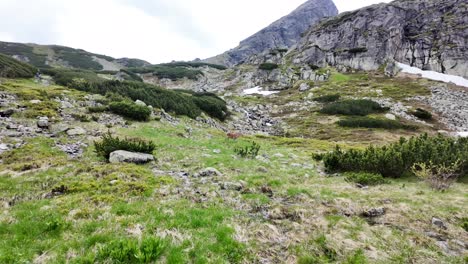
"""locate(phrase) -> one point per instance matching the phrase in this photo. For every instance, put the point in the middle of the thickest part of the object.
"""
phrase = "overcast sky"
(154, 30)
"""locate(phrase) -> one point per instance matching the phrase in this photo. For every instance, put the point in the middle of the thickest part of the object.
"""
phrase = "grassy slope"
(314, 215)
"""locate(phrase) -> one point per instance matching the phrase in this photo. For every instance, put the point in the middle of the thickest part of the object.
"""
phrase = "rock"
(285, 32)
(6, 112)
(3, 148)
(35, 101)
(232, 186)
(439, 223)
(391, 69)
(304, 87)
(374, 212)
(12, 126)
(140, 103)
(352, 40)
(390, 116)
(217, 151)
(208, 172)
(122, 156)
(66, 104)
(77, 131)
(43, 122)
(262, 169)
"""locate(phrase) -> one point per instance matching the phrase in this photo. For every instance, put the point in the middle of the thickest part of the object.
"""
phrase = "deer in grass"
(233, 135)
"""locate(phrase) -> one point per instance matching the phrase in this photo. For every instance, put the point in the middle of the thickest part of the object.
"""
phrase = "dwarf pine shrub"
(131, 110)
(422, 114)
(329, 98)
(365, 178)
(268, 66)
(109, 144)
(360, 107)
(249, 151)
(396, 159)
(368, 122)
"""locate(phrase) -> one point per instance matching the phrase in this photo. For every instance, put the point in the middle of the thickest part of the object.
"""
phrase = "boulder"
(208, 172)
(139, 102)
(35, 101)
(43, 122)
(122, 156)
(439, 223)
(7, 112)
(304, 87)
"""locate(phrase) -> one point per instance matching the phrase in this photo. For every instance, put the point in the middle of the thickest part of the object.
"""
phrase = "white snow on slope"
(462, 134)
(258, 90)
(432, 75)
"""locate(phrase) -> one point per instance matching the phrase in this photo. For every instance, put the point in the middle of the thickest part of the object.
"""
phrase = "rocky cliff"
(283, 33)
(428, 34)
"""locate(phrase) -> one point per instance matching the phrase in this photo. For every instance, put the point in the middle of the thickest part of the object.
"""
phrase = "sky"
(153, 30)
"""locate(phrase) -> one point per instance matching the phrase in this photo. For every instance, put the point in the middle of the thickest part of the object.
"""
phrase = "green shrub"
(360, 107)
(440, 177)
(81, 117)
(357, 50)
(398, 158)
(422, 114)
(249, 151)
(148, 250)
(268, 66)
(358, 257)
(365, 178)
(464, 224)
(97, 109)
(109, 144)
(212, 105)
(367, 122)
(193, 65)
(12, 68)
(169, 72)
(130, 110)
(329, 98)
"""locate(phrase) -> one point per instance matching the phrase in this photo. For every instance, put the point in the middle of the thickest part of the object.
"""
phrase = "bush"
(97, 109)
(109, 144)
(268, 66)
(169, 72)
(250, 151)
(12, 68)
(329, 98)
(422, 114)
(365, 178)
(149, 250)
(398, 158)
(367, 122)
(361, 107)
(212, 105)
(439, 177)
(130, 110)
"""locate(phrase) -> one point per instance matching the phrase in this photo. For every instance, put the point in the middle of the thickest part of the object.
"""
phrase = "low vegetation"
(169, 72)
(130, 110)
(398, 158)
(193, 65)
(440, 177)
(268, 66)
(368, 122)
(365, 178)
(422, 114)
(248, 151)
(148, 250)
(329, 98)
(109, 144)
(359, 107)
(12, 68)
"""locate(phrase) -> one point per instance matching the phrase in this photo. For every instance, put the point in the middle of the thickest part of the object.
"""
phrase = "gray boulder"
(208, 172)
(77, 131)
(43, 122)
(122, 156)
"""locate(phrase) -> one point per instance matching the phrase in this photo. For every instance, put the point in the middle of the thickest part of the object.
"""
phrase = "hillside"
(303, 155)
(430, 35)
(52, 56)
(282, 33)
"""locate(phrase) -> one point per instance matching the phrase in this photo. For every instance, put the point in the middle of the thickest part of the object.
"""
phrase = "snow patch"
(462, 134)
(258, 90)
(432, 75)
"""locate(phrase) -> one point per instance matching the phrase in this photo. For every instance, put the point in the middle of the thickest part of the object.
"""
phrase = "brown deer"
(233, 135)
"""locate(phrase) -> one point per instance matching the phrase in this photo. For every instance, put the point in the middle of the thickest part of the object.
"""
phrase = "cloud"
(155, 30)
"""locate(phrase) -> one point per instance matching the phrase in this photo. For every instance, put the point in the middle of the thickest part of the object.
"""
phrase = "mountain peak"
(282, 33)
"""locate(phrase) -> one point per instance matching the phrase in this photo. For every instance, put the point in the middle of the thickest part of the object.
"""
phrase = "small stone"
(140, 103)
(12, 126)
(121, 156)
(304, 87)
(217, 151)
(7, 113)
(208, 172)
(232, 186)
(439, 223)
(374, 212)
(35, 101)
(390, 116)
(262, 169)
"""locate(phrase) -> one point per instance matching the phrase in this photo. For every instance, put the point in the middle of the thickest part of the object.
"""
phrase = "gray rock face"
(428, 34)
(283, 33)
(121, 156)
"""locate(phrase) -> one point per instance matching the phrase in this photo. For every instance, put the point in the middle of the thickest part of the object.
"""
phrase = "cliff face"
(283, 33)
(428, 34)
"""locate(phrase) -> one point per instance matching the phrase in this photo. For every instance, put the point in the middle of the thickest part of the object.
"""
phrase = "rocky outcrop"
(428, 34)
(282, 34)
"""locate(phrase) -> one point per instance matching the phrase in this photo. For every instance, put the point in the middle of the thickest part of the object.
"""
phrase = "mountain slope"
(283, 33)
(430, 35)
(11, 68)
(46, 56)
